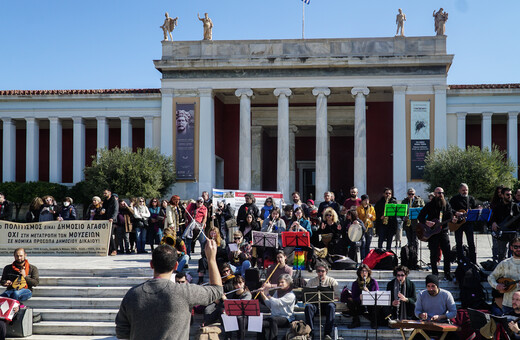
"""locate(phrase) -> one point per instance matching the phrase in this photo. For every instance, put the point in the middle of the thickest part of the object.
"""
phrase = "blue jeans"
(182, 262)
(365, 249)
(241, 270)
(328, 310)
(159, 236)
(20, 295)
(140, 235)
(188, 241)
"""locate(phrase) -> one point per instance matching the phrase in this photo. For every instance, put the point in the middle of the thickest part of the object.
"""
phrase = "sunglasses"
(400, 275)
(237, 238)
(410, 194)
(507, 195)
(439, 193)
(516, 247)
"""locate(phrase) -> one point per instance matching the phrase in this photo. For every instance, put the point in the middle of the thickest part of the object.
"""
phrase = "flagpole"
(303, 19)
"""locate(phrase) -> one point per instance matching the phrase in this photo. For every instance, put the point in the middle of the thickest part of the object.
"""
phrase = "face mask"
(66, 204)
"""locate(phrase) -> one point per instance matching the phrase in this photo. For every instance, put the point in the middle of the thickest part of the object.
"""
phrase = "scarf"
(18, 270)
(360, 283)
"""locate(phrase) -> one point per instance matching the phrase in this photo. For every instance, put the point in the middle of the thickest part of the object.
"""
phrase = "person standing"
(503, 211)
(439, 210)
(196, 216)
(386, 226)
(353, 200)
(160, 308)
(248, 207)
(367, 214)
(6, 208)
(460, 203)
(327, 203)
(412, 201)
(109, 212)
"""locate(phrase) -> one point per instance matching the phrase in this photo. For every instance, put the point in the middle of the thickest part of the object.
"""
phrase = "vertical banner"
(419, 137)
(185, 140)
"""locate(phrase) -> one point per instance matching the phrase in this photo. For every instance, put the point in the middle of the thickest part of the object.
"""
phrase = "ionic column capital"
(360, 90)
(487, 115)
(293, 128)
(31, 120)
(124, 118)
(321, 90)
(282, 91)
(148, 118)
(399, 89)
(440, 88)
(512, 114)
(461, 115)
(77, 120)
(205, 92)
(330, 128)
(167, 92)
(244, 92)
(7, 120)
(256, 129)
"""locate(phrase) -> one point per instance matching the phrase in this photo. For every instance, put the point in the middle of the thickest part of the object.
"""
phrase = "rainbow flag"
(299, 259)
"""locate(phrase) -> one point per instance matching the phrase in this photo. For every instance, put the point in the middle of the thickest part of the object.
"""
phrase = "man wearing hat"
(434, 303)
(513, 326)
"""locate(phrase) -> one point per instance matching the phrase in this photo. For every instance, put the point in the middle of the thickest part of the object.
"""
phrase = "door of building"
(307, 179)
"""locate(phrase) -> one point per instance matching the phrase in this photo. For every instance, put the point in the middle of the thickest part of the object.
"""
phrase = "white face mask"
(66, 204)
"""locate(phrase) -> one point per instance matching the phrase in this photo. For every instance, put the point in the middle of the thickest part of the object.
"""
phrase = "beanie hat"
(364, 197)
(432, 279)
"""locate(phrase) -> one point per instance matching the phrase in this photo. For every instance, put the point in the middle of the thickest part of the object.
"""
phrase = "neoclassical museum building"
(307, 115)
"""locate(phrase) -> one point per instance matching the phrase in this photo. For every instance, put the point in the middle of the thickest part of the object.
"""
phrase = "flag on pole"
(307, 1)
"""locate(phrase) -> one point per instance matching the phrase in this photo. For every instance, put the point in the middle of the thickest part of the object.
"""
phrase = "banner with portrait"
(56, 237)
(185, 140)
(419, 137)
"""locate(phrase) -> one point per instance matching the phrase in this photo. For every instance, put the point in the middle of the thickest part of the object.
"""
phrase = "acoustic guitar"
(509, 283)
(424, 232)
(19, 283)
(460, 221)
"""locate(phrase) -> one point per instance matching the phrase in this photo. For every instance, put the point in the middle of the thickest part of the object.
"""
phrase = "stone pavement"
(136, 266)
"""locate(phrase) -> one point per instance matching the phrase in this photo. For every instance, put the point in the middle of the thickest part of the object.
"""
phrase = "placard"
(56, 237)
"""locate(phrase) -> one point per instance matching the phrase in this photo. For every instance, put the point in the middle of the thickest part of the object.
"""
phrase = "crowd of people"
(226, 245)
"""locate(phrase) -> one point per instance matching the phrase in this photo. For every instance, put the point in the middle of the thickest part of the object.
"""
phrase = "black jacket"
(111, 208)
(6, 211)
(431, 212)
(458, 202)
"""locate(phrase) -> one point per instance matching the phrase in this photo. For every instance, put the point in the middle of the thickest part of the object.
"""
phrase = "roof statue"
(208, 26)
(440, 21)
(399, 20)
(168, 26)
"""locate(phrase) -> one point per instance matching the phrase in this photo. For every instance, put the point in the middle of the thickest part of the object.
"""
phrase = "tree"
(481, 170)
(146, 173)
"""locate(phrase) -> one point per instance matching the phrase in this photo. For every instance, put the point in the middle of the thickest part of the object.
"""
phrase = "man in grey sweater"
(159, 308)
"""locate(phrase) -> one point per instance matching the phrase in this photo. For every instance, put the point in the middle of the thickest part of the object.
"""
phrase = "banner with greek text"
(65, 237)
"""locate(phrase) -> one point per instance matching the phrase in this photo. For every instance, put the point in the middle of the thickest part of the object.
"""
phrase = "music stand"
(396, 210)
(318, 295)
(414, 214)
(485, 215)
(264, 240)
(296, 239)
(378, 298)
(242, 308)
(473, 215)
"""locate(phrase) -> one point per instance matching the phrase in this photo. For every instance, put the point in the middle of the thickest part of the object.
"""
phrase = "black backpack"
(472, 293)
(409, 257)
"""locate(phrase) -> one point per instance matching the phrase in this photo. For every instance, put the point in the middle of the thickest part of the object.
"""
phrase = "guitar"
(424, 232)
(504, 233)
(460, 221)
(509, 283)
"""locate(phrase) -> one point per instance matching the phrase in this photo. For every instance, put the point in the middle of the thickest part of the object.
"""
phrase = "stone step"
(92, 281)
(73, 302)
(74, 328)
(66, 337)
(90, 315)
(78, 291)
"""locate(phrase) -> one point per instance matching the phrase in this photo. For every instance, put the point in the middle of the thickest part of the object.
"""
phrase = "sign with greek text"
(56, 237)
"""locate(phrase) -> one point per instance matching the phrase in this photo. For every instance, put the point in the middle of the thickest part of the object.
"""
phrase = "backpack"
(472, 294)
(409, 257)
(377, 255)
(298, 330)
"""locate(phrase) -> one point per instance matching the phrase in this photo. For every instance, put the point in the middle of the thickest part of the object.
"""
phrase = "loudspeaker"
(22, 324)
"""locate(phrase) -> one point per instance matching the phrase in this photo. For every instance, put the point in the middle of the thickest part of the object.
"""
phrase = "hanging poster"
(419, 137)
(185, 141)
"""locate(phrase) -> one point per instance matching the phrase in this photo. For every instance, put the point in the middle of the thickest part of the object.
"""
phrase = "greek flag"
(307, 1)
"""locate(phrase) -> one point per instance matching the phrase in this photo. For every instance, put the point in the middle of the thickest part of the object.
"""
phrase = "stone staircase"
(84, 302)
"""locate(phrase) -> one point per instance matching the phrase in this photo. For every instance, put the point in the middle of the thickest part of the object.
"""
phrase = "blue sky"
(58, 44)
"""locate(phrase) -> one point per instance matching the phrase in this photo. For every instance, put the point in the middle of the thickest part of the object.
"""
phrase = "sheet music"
(233, 246)
(230, 323)
(383, 298)
(255, 323)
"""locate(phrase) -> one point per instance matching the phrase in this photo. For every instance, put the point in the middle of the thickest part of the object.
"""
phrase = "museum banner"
(236, 197)
(56, 237)
(419, 137)
(185, 141)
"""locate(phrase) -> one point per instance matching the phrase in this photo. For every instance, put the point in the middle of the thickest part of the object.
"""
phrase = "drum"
(355, 232)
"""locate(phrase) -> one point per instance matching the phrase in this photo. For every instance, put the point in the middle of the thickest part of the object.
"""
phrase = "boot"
(355, 322)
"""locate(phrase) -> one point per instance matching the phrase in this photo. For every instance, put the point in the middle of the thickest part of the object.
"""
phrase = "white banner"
(236, 197)
(65, 237)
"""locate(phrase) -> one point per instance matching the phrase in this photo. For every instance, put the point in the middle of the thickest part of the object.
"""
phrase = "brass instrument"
(169, 240)
(385, 219)
(408, 220)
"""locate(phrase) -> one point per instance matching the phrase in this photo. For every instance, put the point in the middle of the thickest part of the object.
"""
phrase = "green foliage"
(20, 193)
(482, 170)
(145, 173)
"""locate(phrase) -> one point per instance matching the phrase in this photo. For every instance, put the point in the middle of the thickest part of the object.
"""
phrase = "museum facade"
(307, 115)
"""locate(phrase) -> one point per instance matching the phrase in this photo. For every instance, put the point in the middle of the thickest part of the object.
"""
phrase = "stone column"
(55, 150)
(9, 150)
(148, 132)
(32, 152)
(399, 142)
(207, 162)
(78, 156)
(461, 130)
(322, 142)
(293, 129)
(102, 133)
(126, 132)
(512, 139)
(256, 157)
(244, 147)
(167, 122)
(440, 137)
(360, 138)
(486, 130)
(282, 173)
